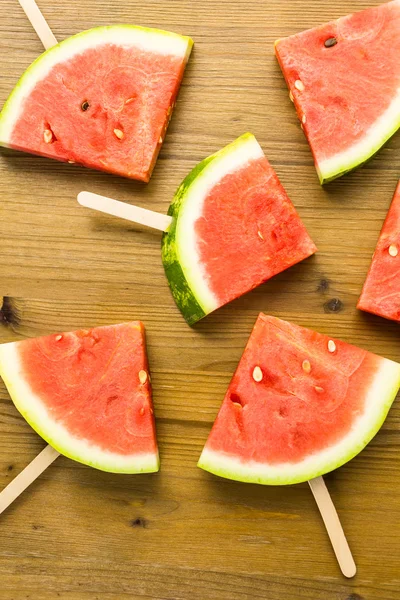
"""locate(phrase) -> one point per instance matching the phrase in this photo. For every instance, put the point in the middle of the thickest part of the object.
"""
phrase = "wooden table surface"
(184, 534)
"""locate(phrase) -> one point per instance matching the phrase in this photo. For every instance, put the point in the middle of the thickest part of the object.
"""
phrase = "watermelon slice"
(299, 405)
(233, 228)
(381, 291)
(88, 394)
(102, 98)
(344, 79)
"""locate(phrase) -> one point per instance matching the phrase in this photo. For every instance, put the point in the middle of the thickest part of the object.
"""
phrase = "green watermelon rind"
(181, 291)
(188, 295)
(384, 391)
(33, 411)
(328, 174)
(62, 51)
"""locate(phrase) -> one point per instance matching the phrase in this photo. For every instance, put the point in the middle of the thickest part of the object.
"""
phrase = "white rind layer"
(148, 40)
(376, 136)
(232, 158)
(380, 396)
(33, 410)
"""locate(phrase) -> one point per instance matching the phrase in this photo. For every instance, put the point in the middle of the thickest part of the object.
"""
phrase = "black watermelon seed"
(85, 105)
(330, 42)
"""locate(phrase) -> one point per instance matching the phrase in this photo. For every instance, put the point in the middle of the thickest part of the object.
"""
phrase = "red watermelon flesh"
(248, 220)
(344, 78)
(298, 405)
(89, 390)
(106, 107)
(381, 291)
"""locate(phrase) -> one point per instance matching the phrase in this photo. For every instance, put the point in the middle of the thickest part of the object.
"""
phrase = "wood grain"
(182, 534)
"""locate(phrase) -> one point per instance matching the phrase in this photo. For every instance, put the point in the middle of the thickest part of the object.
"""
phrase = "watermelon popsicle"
(328, 68)
(381, 291)
(299, 405)
(102, 99)
(88, 394)
(230, 215)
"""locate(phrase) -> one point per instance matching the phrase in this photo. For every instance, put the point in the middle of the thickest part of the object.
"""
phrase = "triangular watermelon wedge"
(233, 228)
(300, 404)
(88, 394)
(102, 98)
(381, 291)
(344, 79)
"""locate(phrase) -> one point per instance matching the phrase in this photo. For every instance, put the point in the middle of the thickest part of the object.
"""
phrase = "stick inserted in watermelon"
(88, 394)
(299, 405)
(102, 99)
(344, 79)
(230, 227)
(381, 291)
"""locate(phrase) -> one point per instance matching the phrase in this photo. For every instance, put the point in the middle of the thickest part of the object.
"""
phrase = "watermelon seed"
(48, 136)
(142, 411)
(299, 85)
(330, 42)
(303, 119)
(58, 338)
(85, 105)
(331, 346)
(306, 366)
(119, 134)
(235, 399)
(291, 97)
(142, 376)
(319, 389)
(393, 250)
(160, 140)
(71, 162)
(260, 235)
(257, 374)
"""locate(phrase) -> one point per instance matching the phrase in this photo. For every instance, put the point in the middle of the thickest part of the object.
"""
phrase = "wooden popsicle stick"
(143, 216)
(38, 23)
(333, 526)
(27, 476)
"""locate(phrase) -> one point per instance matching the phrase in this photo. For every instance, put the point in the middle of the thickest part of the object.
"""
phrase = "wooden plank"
(183, 533)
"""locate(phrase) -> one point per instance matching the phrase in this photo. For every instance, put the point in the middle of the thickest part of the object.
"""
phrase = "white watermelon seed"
(119, 134)
(71, 162)
(331, 346)
(48, 136)
(257, 374)
(291, 97)
(142, 411)
(319, 389)
(393, 250)
(303, 119)
(260, 235)
(142, 376)
(299, 85)
(160, 140)
(306, 366)
(58, 338)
